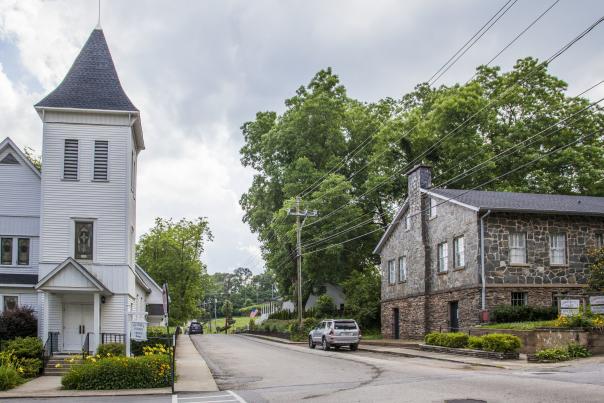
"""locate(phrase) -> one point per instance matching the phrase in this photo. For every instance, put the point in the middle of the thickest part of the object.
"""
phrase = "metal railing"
(173, 363)
(113, 338)
(50, 346)
(86, 346)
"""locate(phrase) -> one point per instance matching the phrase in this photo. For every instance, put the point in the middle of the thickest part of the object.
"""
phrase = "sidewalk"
(193, 374)
(521, 364)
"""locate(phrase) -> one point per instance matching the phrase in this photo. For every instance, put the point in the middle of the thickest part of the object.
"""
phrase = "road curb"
(273, 339)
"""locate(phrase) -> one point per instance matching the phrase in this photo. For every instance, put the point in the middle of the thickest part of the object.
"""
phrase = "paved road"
(263, 371)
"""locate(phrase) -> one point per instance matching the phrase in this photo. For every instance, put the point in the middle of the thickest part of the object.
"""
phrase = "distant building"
(334, 291)
(535, 247)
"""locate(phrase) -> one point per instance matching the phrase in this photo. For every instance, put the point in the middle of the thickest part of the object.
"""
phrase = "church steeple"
(91, 82)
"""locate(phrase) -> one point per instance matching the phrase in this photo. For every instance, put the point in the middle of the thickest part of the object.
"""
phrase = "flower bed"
(149, 371)
(493, 355)
(19, 361)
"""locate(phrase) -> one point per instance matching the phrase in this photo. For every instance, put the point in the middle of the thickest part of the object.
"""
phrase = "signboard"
(570, 303)
(569, 307)
(138, 331)
(599, 309)
(165, 299)
(596, 300)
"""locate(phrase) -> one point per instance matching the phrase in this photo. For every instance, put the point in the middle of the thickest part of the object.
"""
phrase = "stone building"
(442, 243)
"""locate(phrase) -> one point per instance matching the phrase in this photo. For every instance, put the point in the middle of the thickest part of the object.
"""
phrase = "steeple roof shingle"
(91, 82)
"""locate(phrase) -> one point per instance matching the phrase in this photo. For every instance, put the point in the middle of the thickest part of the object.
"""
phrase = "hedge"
(501, 343)
(522, 313)
(111, 349)
(18, 322)
(155, 335)
(151, 371)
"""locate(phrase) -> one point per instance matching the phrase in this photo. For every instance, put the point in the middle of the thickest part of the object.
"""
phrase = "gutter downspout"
(482, 269)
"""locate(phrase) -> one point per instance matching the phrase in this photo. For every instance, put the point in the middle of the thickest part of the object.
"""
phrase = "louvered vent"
(70, 160)
(101, 158)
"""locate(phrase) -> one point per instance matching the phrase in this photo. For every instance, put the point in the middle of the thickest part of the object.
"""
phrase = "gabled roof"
(524, 202)
(91, 282)
(92, 82)
(147, 278)
(7, 142)
(397, 218)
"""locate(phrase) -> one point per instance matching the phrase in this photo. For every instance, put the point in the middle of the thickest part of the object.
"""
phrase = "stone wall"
(536, 295)
(580, 237)
(411, 317)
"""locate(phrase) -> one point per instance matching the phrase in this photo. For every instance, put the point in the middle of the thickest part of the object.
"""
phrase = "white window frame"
(443, 257)
(391, 272)
(459, 258)
(524, 298)
(517, 246)
(432, 209)
(402, 268)
(407, 222)
(557, 249)
(77, 178)
(16, 262)
(94, 160)
(12, 251)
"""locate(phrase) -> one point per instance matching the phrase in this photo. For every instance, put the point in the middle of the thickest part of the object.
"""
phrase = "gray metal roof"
(91, 82)
(525, 202)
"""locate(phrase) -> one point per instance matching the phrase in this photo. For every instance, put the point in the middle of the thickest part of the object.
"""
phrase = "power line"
(465, 192)
(441, 139)
(432, 82)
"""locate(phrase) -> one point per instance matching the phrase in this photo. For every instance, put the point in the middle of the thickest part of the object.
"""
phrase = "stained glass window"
(83, 240)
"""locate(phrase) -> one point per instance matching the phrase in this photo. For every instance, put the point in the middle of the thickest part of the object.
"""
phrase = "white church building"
(67, 233)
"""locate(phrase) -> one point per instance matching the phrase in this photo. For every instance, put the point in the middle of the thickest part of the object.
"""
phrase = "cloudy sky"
(197, 70)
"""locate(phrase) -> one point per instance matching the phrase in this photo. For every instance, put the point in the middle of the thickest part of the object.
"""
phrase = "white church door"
(77, 321)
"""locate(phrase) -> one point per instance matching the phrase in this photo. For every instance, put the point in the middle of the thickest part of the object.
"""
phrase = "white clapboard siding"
(27, 296)
(104, 202)
(113, 314)
(19, 226)
(20, 194)
(55, 315)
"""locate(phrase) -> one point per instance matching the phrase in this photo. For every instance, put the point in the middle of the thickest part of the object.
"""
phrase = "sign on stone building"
(569, 307)
(596, 303)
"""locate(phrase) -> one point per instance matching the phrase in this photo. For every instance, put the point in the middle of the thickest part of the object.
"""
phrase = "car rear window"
(345, 325)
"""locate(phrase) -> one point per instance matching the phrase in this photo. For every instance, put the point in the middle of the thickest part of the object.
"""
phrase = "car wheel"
(311, 344)
(325, 345)
(336, 348)
(354, 347)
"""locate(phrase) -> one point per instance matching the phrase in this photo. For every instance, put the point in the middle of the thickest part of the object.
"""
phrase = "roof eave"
(533, 211)
(391, 226)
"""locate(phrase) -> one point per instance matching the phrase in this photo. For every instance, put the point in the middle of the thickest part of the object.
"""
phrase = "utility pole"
(299, 225)
(215, 316)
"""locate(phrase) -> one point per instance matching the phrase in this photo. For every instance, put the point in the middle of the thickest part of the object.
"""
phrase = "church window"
(83, 240)
(23, 255)
(6, 251)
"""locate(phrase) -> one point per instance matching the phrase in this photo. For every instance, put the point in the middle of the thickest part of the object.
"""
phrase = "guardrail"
(50, 346)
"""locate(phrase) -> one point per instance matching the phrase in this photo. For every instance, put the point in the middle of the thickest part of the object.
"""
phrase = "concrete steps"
(59, 364)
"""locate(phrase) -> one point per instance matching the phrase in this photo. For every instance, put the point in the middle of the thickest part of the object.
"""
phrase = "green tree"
(171, 253)
(362, 292)
(595, 279)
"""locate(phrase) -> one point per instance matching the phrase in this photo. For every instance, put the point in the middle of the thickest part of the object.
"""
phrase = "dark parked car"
(195, 328)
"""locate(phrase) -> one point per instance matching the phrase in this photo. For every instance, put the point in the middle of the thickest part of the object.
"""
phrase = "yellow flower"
(21, 370)
(58, 365)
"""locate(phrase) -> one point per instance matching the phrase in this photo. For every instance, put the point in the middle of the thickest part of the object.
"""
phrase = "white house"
(76, 220)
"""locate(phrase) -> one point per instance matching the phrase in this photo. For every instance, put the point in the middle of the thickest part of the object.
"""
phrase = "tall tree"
(171, 253)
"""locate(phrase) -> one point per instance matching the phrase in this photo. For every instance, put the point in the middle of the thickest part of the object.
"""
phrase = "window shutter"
(101, 158)
(70, 160)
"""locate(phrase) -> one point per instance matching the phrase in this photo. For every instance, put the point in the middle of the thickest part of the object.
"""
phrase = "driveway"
(264, 371)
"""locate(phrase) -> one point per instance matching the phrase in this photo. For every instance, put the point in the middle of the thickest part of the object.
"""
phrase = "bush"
(575, 321)
(19, 322)
(553, 354)
(151, 371)
(29, 367)
(155, 335)
(9, 378)
(252, 324)
(454, 339)
(25, 347)
(501, 343)
(475, 343)
(523, 313)
(324, 308)
(576, 350)
(300, 333)
(111, 349)
(283, 315)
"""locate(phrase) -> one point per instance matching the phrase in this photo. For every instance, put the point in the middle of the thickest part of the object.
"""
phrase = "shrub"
(324, 307)
(522, 313)
(475, 343)
(553, 354)
(574, 321)
(29, 367)
(111, 349)
(9, 378)
(155, 335)
(576, 350)
(157, 349)
(299, 333)
(19, 322)
(151, 371)
(283, 315)
(252, 324)
(25, 347)
(454, 339)
(501, 343)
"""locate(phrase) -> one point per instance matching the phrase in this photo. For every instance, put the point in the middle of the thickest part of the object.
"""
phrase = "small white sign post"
(569, 307)
(596, 303)
(138, 326)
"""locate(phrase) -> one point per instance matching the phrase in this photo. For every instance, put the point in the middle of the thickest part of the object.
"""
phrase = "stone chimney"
(419, 177)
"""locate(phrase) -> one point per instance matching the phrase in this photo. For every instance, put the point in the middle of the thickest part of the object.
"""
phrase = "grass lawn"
(521, 325)
(240, 322)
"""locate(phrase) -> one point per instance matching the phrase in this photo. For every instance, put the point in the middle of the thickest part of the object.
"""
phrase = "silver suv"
(336, 333)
